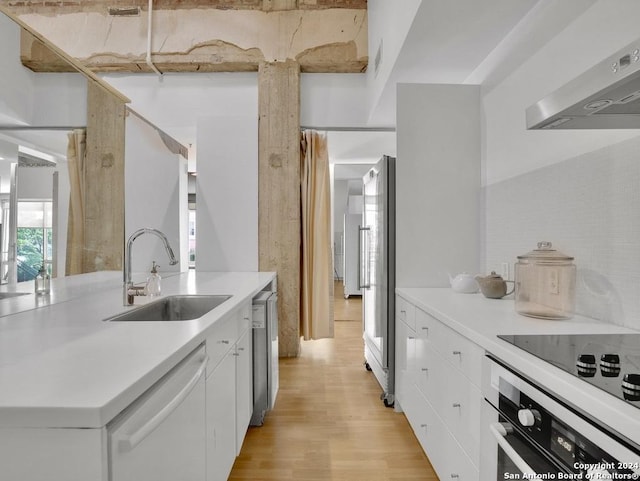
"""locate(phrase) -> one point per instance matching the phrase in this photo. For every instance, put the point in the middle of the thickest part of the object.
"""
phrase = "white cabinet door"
(401, 363)
(161, 436)
(405, 363)
(435, 372)
(244, 386)
(221, 419)
(42, 454)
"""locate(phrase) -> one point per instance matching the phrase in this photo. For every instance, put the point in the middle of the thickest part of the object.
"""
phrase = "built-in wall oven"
(528, 433)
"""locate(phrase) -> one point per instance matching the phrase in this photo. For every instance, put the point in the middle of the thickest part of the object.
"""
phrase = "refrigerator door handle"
(363, 261)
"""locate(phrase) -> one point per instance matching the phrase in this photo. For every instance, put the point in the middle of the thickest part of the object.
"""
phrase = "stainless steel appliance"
(377, 273)
(527, 430)
(610, 362)
(265, 355)
(607, 96)
(351, 256)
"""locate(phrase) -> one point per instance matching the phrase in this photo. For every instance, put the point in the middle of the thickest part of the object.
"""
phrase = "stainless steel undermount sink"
(173, 308)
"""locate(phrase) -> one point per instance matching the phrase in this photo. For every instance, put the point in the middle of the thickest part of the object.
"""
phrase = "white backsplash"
(589, 208)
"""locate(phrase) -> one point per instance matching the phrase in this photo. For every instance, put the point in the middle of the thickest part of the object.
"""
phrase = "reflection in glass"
(35, 238)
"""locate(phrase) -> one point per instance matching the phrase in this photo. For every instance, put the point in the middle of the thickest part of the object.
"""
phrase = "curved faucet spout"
(128, 298)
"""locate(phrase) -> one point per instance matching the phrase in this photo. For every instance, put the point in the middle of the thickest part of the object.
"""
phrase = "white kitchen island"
(65, 373)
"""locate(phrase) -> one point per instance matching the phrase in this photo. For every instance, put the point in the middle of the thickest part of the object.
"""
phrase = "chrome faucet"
(129, 290)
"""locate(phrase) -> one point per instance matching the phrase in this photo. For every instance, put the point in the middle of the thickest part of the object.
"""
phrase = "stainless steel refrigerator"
(377, 274)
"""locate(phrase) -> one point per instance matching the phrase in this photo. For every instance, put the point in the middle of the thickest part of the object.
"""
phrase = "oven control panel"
(566, 448)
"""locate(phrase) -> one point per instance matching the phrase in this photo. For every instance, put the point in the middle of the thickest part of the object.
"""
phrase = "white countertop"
(62, 366)
(481, 320)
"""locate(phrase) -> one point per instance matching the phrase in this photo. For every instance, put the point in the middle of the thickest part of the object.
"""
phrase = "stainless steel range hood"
(606, 96)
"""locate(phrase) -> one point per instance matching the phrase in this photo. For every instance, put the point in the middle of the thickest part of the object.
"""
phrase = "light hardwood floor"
(329, 423)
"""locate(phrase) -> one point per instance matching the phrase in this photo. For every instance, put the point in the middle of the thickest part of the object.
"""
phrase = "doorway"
(352, 152)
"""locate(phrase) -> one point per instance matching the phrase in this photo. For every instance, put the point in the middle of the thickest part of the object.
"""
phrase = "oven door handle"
(500, 431)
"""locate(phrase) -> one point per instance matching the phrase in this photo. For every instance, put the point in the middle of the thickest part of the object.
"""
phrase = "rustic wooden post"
(279, 191)
(104, 181)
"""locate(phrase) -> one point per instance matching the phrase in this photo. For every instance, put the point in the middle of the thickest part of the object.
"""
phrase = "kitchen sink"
(173, 308)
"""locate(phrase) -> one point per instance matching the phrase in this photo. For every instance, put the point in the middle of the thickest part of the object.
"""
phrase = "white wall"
(587, 206)
(333, 100)
(218, 113)
(510, 149)
(35, 183)
(388, 25)
(36, 99)
(59, 99)
(438, 183)
(339, 201)
(155, 196)
(227, 192)
(340, 195)
(176, 101)
(577, 189)
(16, 82)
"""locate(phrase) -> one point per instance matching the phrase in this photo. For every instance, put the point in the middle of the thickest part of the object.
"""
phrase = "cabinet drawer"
(463, 354)
(221, 338)
(428, 374)
(446, 455)
(405, 312)
(456, 465)
(460, 410)
(421, 417)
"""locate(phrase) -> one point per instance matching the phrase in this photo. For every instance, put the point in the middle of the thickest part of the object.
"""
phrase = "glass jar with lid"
(545, 283)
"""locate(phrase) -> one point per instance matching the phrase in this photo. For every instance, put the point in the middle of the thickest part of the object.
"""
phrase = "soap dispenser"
(153, 282)
(43, 282)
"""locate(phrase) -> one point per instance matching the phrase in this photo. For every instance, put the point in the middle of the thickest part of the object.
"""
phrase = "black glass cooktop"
(608, 361)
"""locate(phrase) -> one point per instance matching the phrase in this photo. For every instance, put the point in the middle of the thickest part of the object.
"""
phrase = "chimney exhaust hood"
(606, 96)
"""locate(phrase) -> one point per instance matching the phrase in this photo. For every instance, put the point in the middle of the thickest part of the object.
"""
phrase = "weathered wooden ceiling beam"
(204, 40)
(21, 7)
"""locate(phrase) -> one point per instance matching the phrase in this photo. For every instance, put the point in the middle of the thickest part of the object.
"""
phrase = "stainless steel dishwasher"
(265, 354)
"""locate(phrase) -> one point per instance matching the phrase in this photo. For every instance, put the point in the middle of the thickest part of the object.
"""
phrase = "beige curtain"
(76, 149)
(317, 264)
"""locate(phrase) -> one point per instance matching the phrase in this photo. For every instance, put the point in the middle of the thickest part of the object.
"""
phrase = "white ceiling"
(448, 40)
(49, 142)
(364, 147)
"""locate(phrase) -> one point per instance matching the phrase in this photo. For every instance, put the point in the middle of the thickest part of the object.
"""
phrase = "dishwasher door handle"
(128, 442)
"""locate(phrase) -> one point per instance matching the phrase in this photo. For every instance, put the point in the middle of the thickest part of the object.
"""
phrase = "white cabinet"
(437, 386)
(161, 435)
(229, 390)
(244, 384)
(405, 351)
(41, 454)
(221, 419)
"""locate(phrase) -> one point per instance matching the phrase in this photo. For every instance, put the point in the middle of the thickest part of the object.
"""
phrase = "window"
(35, 238)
